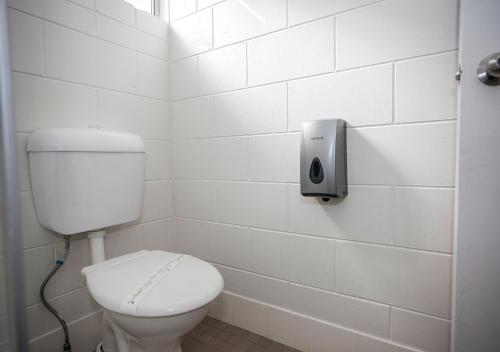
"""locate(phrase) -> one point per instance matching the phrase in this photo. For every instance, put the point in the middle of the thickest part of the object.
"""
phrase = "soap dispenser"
(323, 162)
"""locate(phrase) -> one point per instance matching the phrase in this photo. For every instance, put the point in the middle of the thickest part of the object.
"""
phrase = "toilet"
(88, 180)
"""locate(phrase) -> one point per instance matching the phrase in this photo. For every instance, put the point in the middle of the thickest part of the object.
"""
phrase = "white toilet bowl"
(151, 299)
(139, 334)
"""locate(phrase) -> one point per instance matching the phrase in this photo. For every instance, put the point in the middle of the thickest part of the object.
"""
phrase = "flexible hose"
(59, 263)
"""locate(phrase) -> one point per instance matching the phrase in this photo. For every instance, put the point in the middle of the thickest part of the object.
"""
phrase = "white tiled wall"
(80, 64)
(371, 272)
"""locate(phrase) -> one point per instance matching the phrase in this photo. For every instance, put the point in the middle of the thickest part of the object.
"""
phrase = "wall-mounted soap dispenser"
(323, 164)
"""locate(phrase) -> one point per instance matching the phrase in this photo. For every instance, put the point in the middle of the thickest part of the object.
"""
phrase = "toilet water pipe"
(98, 255)
(97, 252)
(59, 263)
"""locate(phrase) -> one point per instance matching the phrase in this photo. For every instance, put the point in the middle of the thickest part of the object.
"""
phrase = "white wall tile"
(205, 3)
(95, 329)
(249, 315)
(26, 43)
(194, 199)
(292, 53)
(228, 245)
(222, 69)
(222, 308)
(251, 111)
(406, 278)
(184, 78)
(423, 218)
(34, 235)
(157, 160)
(188, 160)
(116, 31)
(151, 45)
(80, 58)
(69, 276)
(152, 24)
(76, 304)
(306, 10)
(123, 34)
(251, 204)
(403, 29)
(420, 331)
(402, 155)
(218, 158)
(78, 331)
(72, 306)
(302, 259)
(38, 262)
(235, 20)
(354, 313)
(190, 237)
(426, 88)
(361, 97)
(147, 117)
(287, 328)
(124, 240)
(152, 77)
(366, 214)
(39, 321)
(43, 103)
(180, 8)
(118, 9)
(160, 235)
(115, 67)
(157, 200)
(226, 158)
(193, 118)
(323, 337)
(275, 158)
(59, 11)
(259, 287)
(191, 35)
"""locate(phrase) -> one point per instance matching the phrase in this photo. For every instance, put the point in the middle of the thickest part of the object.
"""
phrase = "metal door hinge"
(458, 74)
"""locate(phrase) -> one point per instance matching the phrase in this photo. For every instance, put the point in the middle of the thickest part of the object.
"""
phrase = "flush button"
(316, 171)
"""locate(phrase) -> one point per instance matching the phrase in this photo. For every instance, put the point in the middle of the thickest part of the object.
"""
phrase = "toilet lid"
(153, 283)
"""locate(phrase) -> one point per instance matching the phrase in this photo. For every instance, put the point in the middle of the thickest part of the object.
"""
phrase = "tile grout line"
(94, 35)
(277, 133)
(314, 288)
(320, 237)
(306, 77)
(79, 84)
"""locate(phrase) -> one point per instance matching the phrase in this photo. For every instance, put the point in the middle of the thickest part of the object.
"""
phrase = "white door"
(476, 321)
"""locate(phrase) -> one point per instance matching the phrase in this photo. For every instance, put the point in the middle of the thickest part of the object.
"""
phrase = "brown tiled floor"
(216, 336)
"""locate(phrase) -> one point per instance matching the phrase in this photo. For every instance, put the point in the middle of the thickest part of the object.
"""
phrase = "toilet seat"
(153, 283)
